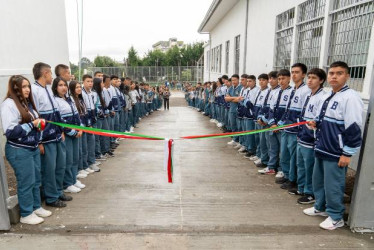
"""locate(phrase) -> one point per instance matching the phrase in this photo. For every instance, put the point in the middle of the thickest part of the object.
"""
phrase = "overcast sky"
(112, 26)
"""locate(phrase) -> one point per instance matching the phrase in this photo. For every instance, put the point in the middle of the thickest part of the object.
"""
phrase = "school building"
(257, 36)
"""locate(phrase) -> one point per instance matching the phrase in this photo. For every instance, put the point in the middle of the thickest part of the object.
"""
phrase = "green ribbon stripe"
(102, 130)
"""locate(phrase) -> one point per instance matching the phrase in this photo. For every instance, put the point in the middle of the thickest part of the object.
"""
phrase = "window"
(351, 26)
(208, 60)
(309, 32)
(283, 39)
(227, 57)
(237, 54)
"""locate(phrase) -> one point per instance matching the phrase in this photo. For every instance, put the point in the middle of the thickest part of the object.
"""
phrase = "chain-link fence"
(154, 74)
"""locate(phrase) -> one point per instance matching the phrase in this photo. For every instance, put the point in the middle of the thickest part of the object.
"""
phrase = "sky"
(111, 27)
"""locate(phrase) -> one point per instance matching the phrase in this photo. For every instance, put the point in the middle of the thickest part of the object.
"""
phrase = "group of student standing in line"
(49, 163)
(309, 161)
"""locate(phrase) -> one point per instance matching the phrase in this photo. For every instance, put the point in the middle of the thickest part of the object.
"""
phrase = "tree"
(105, 61)
(85, 63)
(154, 58)
(133, 58)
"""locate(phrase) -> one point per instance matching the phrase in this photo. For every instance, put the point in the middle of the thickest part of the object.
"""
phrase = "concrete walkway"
(218, 201)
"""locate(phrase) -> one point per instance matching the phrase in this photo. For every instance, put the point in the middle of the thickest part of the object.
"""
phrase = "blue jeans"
(239, 124)
(274, 150)
(72, 161)
(88, 150)
(227, 120)
(288, 155)
(262, 145)
(233, 123)
(53, 164)
(129, 120)
(328, 187)
(26, 165)
(305, 164)
(250, 139)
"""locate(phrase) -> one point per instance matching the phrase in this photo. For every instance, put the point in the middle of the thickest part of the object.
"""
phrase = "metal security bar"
(350, 37)
(310, 31)
(283, 39)
(338, 4)
(154, 74)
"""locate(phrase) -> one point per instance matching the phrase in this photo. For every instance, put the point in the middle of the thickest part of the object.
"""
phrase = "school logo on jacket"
(310, 108)
(285, 98)
(334, 105)
(296, 99)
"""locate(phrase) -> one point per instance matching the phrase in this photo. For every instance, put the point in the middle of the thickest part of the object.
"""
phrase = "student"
(20, 120)
(249, 118)
(102, 143)
(88, 140)
(166, 95)
(335, 143)
(241, 111)
(290, 116)
(260, 140)
(134, 100)
(222, 104)
(52, 148)
(305, 136)
(69, 114)
(116, 107)
(278, 106)
(273, 138)
(63, 72)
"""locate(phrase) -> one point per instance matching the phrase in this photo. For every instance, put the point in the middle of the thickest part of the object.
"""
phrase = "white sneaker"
(313, 212)
(254, 158)
(72, 189)
(31, 219)
(330, 224)
(41, 212)
(88, 170)
(203, 113)
(79, 184)
(94, 168)
(127, 131)
(97, 163)
(140, 118)
(81, 176)
(242, 149)
(219, 125)
(280, 174)
(257, 162)
(232, 143)
(132, 130)
(238, 146)
(211, 120)
(216, 122)
(263, 171)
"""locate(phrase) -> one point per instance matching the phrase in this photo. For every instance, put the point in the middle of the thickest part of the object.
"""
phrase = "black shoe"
(288, 185)
(57, 203)
(248, 155)
(280, 180)
(306, 199)
(64, 197)
(294, 191)
(261, 165)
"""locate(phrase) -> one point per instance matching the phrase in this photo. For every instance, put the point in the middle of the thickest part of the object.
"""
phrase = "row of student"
(309, 160)
(49, 163)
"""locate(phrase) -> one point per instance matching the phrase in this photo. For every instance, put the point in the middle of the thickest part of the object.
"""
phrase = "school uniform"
(260, 140)
(129, 112)
(241, 110)
(53, 161)
(22, 152)
(289, 137)
(69, 115)
(102, 143)
(133, 95)
(339, 129)
(272, 139)
(249, 118)
(88, 140)
(114, 92)
(305, 143)
(278, 105)
(123, 113)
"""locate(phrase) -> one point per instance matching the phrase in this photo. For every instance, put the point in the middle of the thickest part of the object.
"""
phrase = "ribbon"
(170, 160)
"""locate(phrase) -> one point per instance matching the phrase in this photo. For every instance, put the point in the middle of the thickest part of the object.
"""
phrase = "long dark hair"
(15, 93)
(77, 98)
(97, 88)
(55, 85)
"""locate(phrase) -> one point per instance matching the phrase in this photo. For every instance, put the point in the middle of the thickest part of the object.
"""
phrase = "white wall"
(31, 31)
(228, 28)
(261, 35)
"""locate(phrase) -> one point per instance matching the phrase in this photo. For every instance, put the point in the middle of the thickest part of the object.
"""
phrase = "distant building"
(166, 45)
(257, 36)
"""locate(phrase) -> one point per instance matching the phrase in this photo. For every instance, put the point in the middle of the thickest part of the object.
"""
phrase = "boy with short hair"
(231, 97)
(273, 139)
(338, 137)
(290, 116)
